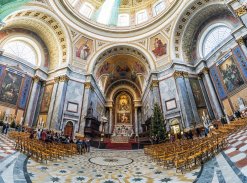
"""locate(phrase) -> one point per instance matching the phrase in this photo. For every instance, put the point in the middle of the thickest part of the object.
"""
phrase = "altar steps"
(119, 146)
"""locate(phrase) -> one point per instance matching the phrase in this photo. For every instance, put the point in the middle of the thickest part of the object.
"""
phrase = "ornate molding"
(241, 11)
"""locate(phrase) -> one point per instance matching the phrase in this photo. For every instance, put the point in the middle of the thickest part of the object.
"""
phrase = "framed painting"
(45, 104)
(171, 104)
(10, 88)
(72, 107)
(231, 76)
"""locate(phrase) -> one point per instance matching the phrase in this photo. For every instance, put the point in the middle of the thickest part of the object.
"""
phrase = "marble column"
(86, 102)
(156, 93)
(187, 115)
(136, 122)
(192, 99)
(32, 102)
(140, 121)
(110, 121)
(56, 119)
(207, 101)
(214, 99)
(240, 41)
(52, 102)
(39, 101)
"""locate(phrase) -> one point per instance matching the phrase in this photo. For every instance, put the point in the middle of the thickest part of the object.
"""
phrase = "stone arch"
(183, 28)
(139, 49)
(50, 29)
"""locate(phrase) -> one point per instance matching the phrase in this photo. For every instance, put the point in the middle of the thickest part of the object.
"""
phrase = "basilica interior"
(156, 88)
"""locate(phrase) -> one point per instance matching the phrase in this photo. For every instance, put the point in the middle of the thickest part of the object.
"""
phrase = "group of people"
(5, 128)
(83, 145)
(49, 136)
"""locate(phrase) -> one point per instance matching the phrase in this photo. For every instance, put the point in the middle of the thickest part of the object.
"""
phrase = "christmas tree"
(157, 128)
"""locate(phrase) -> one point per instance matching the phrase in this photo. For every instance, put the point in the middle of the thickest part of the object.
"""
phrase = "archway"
(68, 129)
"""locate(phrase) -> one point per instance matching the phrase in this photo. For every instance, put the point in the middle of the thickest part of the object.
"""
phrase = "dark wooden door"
(68, 130)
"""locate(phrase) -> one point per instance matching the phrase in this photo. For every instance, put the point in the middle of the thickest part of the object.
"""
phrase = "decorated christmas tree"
(157, 128)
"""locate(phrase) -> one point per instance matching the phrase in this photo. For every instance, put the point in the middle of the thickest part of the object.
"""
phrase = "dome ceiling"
(115, 16)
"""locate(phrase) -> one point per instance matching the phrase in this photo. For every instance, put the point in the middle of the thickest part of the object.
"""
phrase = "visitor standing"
(87, 145)
(4, 127)
(7, 128)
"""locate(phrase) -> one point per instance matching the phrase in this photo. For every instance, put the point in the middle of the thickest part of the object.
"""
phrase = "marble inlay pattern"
(138, 168)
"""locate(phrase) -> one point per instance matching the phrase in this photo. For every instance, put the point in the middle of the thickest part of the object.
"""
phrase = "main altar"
(123, 128)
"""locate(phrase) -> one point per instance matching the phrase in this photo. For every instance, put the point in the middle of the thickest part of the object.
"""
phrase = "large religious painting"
(10, 88)
(158, 45)
(230, 74)
(197, 92)
(240, 57)
(123, 108)
(46, 98)
(84, 48)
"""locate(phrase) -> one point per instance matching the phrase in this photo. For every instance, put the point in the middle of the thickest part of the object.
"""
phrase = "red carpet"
(119, 146)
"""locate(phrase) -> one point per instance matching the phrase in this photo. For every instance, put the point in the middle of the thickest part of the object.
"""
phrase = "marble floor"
(107, 166)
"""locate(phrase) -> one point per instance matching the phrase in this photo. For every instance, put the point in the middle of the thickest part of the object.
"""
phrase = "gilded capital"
(205, 70)
(186, 74)
(36, 79)
(56, 79)
(154, 83)
(240, 41)
(88, 85)
(63, 78)
(178, 74)
(241, 11)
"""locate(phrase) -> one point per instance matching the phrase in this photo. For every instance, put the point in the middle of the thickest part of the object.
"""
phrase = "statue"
(241, 104)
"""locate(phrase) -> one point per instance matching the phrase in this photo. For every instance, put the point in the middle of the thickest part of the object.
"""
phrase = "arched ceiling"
(49, 30)
(184, 19)
(198, 22)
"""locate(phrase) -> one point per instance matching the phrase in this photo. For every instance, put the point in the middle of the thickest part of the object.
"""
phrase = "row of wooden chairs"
(39, 150)
(187, 154)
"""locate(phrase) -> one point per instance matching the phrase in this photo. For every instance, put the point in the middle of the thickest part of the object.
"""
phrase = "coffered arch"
(188, 20)
(50, 29)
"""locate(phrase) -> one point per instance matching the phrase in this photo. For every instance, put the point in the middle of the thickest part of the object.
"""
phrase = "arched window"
(158, 7)
(86, 10)
(22, 49)
(141, 16)
(123, 20)
(213, 37)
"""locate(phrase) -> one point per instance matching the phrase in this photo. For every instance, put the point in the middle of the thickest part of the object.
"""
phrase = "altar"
(122, 133)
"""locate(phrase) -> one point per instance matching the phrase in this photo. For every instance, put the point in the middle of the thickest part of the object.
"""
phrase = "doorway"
(68, 129)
